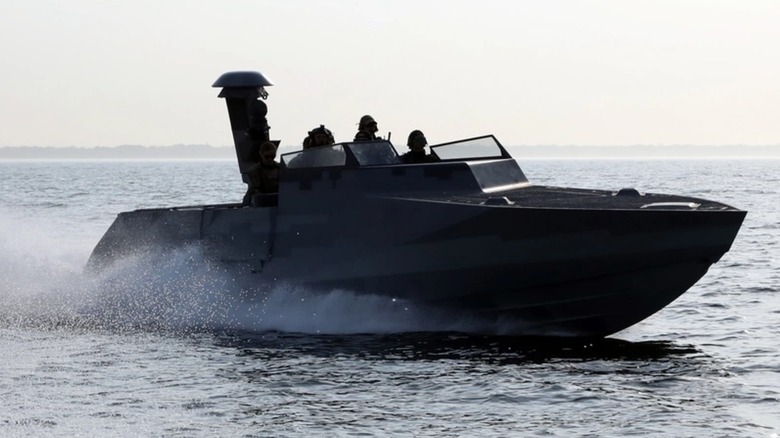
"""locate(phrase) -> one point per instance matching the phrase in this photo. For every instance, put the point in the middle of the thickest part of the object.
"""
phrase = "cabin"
(474, 165)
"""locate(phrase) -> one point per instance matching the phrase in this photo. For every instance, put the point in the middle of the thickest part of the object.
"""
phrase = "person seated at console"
(264, 174)
(417, 143)
(319, 136)
(367, 129)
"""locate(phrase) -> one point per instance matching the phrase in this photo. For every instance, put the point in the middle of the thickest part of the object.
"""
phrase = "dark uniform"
(364, 136)
(263, 179)
(415, 157)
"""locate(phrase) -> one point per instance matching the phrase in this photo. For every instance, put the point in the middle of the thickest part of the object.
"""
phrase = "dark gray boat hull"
(552, 262)
(465, 232)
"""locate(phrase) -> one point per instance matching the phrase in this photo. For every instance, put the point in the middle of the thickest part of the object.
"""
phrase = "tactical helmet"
(412, 135)
(365, 120)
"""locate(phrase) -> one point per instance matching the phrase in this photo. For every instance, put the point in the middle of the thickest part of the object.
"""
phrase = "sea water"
(161, 349)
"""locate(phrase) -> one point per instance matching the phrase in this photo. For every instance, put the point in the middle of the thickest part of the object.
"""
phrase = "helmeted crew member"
(367, 129)
(319, 136)
(417, 143)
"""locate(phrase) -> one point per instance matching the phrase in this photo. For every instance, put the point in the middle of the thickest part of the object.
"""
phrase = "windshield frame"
(374, 153)
(500, 152)
(333, 155)
(355, 154)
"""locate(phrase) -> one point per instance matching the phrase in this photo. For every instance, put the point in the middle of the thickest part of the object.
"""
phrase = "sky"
(91, 73)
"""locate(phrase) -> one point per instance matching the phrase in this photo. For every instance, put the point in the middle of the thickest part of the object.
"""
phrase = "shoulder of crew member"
(412, 157)
(363, 136)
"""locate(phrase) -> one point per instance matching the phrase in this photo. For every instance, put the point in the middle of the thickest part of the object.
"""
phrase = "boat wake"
(45, 285)
(181, 290)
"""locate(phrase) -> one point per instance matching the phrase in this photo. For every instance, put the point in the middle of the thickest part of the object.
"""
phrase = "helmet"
(412, 135)
(319, 130)
(365, 120)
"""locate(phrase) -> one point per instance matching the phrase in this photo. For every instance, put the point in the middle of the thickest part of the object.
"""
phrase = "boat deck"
(572, 198)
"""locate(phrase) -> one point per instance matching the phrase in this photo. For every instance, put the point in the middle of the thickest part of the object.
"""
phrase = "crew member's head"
(320, 136)
(416, 141)
(368, 124)
(267, 152)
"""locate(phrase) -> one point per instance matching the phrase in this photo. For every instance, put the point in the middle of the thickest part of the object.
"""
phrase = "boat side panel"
(381, 236)
(587, 306)
(538, 264)
(138, 231)
(239, 234)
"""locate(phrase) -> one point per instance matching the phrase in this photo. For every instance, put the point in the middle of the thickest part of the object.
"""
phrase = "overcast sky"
(601, 72)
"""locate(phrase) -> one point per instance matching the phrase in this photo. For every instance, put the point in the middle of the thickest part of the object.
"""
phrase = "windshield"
(481, 147)
(375, 153)
(321, 156)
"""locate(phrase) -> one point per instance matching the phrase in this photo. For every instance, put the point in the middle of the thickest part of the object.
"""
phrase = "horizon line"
(520, 145)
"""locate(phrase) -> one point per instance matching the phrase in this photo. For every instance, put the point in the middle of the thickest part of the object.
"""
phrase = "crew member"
(367, 129)
(319, 136)
(417, 143)
(264, 174)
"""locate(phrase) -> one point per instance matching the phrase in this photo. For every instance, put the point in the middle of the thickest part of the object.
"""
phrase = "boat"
(468, 232)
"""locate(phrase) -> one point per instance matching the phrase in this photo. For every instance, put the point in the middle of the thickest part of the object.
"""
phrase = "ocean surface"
(151, 350)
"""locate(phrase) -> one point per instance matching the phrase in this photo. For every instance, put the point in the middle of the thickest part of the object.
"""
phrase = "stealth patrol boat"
(468, 232)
